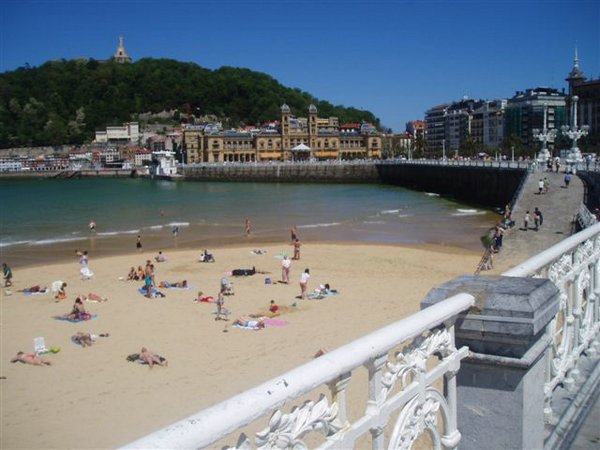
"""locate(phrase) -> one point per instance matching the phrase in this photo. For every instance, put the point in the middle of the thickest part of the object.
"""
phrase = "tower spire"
(121, 55)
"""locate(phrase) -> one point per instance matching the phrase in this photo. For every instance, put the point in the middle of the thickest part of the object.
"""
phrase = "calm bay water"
(40, 219)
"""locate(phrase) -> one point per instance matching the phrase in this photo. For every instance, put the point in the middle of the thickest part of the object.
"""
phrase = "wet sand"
(94, 398)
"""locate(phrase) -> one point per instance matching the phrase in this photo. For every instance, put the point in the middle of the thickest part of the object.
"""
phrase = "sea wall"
(493, 186)
(285, 173)
(591, 181)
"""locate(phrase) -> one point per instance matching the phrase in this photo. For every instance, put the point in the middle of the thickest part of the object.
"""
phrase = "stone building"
(293, 139)
(487, 128)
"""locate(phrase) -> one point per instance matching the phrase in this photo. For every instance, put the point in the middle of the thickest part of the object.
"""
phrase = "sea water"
(37, 215)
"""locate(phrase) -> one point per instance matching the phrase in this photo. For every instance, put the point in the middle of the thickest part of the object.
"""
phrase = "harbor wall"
(492, 186)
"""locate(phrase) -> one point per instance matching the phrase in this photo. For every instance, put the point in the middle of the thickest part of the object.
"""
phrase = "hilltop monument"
(121, 55)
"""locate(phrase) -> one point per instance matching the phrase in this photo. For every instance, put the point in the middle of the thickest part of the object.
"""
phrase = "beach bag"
(268, 280)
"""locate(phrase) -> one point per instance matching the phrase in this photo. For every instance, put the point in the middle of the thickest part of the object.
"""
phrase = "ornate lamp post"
(574, 133)
(544, 136)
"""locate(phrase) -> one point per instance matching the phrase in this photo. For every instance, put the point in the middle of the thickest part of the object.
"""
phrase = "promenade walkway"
(558, 206)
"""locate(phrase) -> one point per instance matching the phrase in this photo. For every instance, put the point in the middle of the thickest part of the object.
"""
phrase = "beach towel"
(167, 285)
(68, 319)
(275, 322)
(45, 291)
(248, 327)
(321, 295)
(154, 293)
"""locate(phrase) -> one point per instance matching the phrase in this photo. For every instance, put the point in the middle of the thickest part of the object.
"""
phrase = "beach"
(94, 398)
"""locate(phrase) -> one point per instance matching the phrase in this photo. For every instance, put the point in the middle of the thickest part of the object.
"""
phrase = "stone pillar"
(501, 383)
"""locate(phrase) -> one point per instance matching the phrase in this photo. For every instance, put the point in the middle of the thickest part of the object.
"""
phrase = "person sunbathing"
(91, 297)
(30, 358)
(202, 298)
(151, 358)
(86, 339)
(246, 272)
(34, 289)
(273, 308)
(249, 322)
(178, 284)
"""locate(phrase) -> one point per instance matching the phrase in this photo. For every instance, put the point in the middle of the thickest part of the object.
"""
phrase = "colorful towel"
(275, 322)
(67, 319)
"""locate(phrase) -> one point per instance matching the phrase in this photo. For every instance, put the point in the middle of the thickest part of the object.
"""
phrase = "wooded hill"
(65, 102)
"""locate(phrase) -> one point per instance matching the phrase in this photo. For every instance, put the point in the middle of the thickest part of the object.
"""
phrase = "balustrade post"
(375, 367)
(500, 389)
(338, 395)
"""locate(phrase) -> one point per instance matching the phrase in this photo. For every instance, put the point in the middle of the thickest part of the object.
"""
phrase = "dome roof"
(312, 109)
(285, 109)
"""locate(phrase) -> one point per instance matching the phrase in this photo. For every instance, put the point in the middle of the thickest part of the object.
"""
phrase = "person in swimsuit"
(86, 339)
(30, 358)
(152, 358)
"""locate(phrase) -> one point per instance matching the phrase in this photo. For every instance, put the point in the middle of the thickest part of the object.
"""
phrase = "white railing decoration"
(573, 265)
(401, 386)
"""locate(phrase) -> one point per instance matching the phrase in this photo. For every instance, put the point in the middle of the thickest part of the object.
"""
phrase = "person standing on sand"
(221, 313)
(296, 249)
(285, 269)
(7, 273)
(294, 234)
(138, 244)
(304, 283)
(248, 227)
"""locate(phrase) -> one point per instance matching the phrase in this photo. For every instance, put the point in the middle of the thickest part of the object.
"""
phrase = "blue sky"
(394, 58)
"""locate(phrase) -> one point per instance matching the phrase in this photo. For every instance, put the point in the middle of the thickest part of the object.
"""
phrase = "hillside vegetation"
(64, 102)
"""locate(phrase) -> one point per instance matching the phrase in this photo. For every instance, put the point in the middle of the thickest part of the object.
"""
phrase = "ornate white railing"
(573, 265)
(406, 363)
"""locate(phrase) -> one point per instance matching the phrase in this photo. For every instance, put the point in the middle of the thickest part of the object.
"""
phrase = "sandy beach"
(94, 398)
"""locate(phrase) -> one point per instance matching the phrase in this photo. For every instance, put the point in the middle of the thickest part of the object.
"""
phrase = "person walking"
(7, 274)
(526, 221)
(138, 244)
(567, 179)
(540, 186)
(285, 269)
(304, 283)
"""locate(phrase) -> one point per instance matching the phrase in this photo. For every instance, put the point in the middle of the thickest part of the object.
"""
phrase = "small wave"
(432, 194)
(179, 224)
(155, 227)
(467, 212)
(390, 211)
(405, 215)
(55, 241)
(373, 222)
(9, 244)
(115, 233)
(318, 225)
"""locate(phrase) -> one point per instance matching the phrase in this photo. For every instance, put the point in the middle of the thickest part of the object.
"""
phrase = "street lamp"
(574, 133)
(444, 149)
(544, 136)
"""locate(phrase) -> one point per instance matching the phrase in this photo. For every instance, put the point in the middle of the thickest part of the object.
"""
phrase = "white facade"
(167, 166)
(127, 133)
